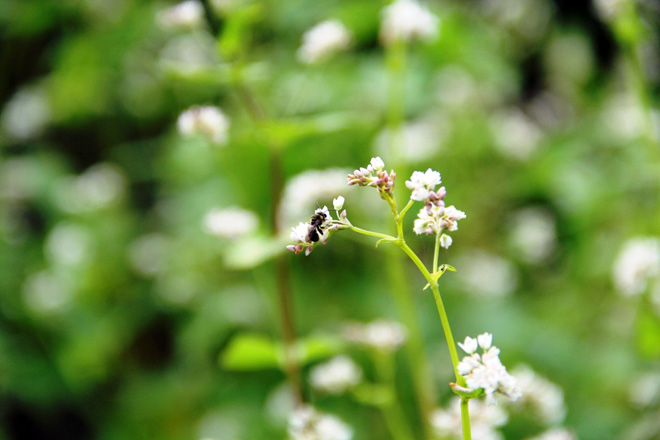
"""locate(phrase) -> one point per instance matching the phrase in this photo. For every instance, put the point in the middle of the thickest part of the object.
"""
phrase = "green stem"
(405, 209)
(436, 251)
(465, 419)
(392, 411)
(371, 233)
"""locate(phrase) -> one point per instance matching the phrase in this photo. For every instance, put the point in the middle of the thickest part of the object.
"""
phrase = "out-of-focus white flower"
(609, 9)
(555, 434)
(532, 234)
(528, 19)
(305, 423)
(188, 14)
(645, 390)
(335, 376)
(323, 40)
(99, 187)
(189, 53)
(230, 222)
(486, 370)
(147, 254)
(516, 135)
(421, 184)
(484, 274)
(484, 419)
(68, 244)
(380, 334)
(338, 203)
(638, 261)
(422, 138)
(45, 293)
(306, 189)
(206, 120)
(407, 20)
(26, 114)
(542, 397)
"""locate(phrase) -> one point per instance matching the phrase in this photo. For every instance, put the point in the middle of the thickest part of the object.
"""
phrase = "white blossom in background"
(645, 390)
(336, 375)
(26, 114)
(623, 116)
(232, 222)
(555, 434)
(323, 40)
(422, 138)
(609, 9)
(542, 397)
(484, 420)
(188, 54)
(485, 370)
(532, 234)
(485, 274)
(100, 187)
(303, 191)
(188, 14)
(44, 293)
(207, 120)
(147, 254)
(529, 19)
(637, 263)
(380, 334)
(68, 244)
(305, 423)
(407, 20)
(516, 135)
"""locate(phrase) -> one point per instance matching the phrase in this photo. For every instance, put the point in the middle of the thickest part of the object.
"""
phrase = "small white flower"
(532, 234)
(377, 163)
(485, 340)
(380, 334)
(436, 218)
(445, 241)
(305, 423)
(27, 114)
(335, 376)
(486, 275)
(188, 14)
(299, 233)
(451, 217)
(338, 203)
(487, 372)
(323, 40)
(637, 263)
(230, 222)
(544, 398)
(407, 20)
(206, 120)
(422, 184)
(609, 9)
(469, 346)
(555, 434)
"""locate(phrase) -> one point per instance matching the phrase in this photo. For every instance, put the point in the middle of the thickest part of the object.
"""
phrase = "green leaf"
(373, 394)
(648, 333)
(319, 347)
(250, 352)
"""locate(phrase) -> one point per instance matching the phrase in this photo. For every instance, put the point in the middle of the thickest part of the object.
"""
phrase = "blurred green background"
(118, 301)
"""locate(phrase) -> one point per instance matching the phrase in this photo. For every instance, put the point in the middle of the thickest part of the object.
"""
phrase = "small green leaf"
(250, 352)
(319, 347)
(385, 240)
(373, 394)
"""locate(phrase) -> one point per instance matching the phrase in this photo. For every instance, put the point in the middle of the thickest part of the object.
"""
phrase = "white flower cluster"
(423, 184)
(230, 222)
(555, 434)
(188, 14)
(374, 175)
(544, 398)
(636, 265)
(306, 234)
(208, 120)
(486, 371)
(407, 20)
(335, 376)
(323, 40)
(484, 419)
(305, 423)
(380, 334)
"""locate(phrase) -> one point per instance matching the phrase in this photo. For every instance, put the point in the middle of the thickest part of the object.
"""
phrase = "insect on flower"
(316, 226)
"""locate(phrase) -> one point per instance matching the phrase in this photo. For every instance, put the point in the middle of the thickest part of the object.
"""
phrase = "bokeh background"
(122, 289)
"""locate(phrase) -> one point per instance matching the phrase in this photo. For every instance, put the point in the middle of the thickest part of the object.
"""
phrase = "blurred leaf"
(648, 333)
(373, 394)
(289, 130)
(249, 352)
(251, 252)
(315, 348)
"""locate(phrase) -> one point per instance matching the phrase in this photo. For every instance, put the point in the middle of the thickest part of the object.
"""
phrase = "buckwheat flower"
(555, 434)
(188, 14)
(335, 376)
(484, 420)
(516, 135)
(407, 20)
(486, 371)
(374, 175)
(645, 390)
(305, 423)
(27, 114)
(445, 241)
(540, 397)
(323, 40)
(338, 203)
(422, 184)
(487, 275)
(381, 334)
(306, 234)
(637, 263)
(434, 219)
(207, 120)
(229, 222)
(101, 186)
(533, 235)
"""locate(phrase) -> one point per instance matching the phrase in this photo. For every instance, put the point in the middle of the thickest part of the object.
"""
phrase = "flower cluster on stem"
(375, 175)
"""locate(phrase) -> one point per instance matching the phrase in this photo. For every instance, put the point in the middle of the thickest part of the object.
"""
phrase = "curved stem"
(371, 233)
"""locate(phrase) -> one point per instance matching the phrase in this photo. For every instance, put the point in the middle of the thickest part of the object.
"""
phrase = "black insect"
(316, 226)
